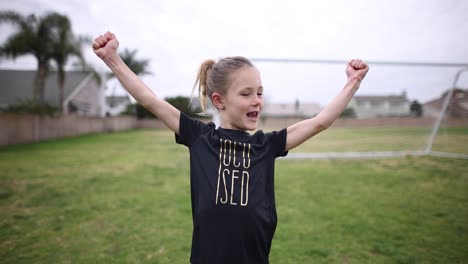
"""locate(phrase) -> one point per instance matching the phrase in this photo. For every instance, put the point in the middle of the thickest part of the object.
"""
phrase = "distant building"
(83, 93)
(116, 104)
(458, 106)
(380, 106)
(297, 109)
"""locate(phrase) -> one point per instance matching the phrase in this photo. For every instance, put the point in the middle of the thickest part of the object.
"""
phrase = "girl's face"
(243, 102)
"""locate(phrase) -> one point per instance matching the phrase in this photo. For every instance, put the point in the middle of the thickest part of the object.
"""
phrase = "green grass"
(124, 198)
(387, 139)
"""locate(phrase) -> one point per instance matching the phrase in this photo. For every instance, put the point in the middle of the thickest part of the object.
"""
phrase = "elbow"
(324, 121)
(323, 124)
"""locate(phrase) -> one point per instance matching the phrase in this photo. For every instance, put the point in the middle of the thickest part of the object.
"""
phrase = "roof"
(17, 85)
(459, 95)
(458, 104)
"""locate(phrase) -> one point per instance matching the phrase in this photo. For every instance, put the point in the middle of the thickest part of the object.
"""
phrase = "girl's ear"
(218, 101)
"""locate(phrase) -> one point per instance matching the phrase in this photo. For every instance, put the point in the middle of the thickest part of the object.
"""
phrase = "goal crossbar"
(384, 154)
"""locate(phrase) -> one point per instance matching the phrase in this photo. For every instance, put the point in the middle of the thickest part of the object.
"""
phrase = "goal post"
(384, 134)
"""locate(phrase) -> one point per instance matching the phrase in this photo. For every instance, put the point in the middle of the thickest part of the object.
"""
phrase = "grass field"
(387, 139)
(124, 198)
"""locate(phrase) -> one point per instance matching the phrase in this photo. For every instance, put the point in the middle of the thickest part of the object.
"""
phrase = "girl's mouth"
(253, 114)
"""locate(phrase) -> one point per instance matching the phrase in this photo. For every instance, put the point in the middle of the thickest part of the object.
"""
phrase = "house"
(116, 104)
(83, 92)
(277, 110)
(380, 106)
(458, 106)
(297, 109)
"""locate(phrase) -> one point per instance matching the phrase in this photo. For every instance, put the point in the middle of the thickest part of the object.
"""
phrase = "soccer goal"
(402, 108)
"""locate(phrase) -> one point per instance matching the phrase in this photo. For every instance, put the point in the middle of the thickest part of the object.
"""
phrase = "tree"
(138, 110)
(35, 36)
(180, 102)
(183, 104)
(139, 67)
(65, 45)
(348, 113)
(416, 109)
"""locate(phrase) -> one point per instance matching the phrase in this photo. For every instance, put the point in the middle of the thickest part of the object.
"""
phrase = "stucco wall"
(25, 128)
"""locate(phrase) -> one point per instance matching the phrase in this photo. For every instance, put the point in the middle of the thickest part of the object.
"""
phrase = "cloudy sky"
(177, 36)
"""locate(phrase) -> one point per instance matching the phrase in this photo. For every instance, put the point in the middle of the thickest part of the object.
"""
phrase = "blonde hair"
(215, 76)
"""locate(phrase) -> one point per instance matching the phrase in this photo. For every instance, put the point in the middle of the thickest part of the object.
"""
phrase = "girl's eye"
(245, 94)
(259, 94)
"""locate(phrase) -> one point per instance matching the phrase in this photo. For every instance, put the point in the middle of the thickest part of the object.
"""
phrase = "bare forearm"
(338, 104)
(356, 70)
(105, 47)
(301, 131)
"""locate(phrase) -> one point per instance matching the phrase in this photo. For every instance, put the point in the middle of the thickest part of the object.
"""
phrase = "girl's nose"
(257, 100)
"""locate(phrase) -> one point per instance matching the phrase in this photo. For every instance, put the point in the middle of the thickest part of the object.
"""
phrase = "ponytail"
(204, 91)
(215, 76)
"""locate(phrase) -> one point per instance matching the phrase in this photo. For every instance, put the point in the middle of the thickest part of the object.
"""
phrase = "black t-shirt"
(232, 191)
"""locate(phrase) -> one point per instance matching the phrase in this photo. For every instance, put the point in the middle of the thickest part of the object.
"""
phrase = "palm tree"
(65, 45)
(137, 66)
(34, 36)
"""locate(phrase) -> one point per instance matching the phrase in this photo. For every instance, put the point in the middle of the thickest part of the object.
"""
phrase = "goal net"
(401, 109)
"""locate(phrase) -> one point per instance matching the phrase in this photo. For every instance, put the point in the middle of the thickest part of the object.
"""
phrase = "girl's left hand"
(356, 69)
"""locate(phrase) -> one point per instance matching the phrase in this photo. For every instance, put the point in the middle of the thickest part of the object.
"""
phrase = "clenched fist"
(105, 45)
(356, 69)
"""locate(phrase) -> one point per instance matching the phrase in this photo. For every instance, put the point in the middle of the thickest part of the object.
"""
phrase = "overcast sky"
(177, 36)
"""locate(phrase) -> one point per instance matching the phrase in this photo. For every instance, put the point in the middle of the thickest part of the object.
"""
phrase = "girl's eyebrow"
(252, 88)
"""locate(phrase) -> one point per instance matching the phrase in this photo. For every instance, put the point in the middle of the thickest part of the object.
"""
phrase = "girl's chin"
(251, 127)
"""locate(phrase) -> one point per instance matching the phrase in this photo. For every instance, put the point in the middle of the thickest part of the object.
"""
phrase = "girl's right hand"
(105, 45)
(356, 69)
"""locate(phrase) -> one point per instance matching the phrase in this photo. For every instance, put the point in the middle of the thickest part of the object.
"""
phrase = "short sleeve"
(277, 140)
(189, 130)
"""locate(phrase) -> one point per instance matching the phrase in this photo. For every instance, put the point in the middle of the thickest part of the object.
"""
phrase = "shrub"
(31, 107)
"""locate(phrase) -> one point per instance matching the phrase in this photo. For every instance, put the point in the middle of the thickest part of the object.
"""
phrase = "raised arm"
(105, 47)
(298, 133)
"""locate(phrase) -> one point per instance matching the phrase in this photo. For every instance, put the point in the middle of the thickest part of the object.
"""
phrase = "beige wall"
(25, 128)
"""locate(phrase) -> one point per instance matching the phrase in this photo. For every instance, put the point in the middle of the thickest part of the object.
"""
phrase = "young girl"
(231, 171)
